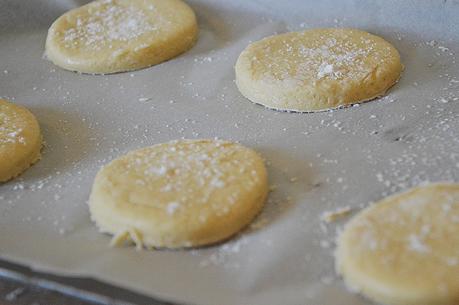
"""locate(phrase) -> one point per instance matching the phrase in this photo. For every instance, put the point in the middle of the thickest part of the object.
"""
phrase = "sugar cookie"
(20, 140)
(108, 36)
(405, 249)
(179, 194)
(317, 69)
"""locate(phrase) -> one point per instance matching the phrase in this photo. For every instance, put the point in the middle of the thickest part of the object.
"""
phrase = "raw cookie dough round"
(179, 194)
(108, 36)
(317, 69)
(405, 249)
(20, 140)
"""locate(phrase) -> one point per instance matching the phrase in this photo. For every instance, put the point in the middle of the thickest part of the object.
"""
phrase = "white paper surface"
(348, 157)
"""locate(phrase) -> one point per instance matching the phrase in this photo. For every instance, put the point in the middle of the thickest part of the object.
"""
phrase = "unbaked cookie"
(317, 69)
(108, 36)
(20, 140)
(179, 194)
(405, 249)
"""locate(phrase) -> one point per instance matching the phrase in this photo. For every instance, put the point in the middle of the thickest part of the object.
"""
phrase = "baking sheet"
(318, 162)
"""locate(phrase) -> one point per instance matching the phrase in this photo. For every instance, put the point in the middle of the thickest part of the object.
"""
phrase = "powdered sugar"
(415, 222)
(325, 69)
(10, 130)
(108, 22)
(190, 172)
(334, 59)
(297, 57)
(415, 243)
(172, 207)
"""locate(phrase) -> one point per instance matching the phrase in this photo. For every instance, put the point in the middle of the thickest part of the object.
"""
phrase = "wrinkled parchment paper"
(318, 162)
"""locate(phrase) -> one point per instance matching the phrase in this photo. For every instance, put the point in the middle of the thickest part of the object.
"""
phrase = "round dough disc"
(108, 36)
(20, 140)
(317, 69)
(179, 194)
(405, 249)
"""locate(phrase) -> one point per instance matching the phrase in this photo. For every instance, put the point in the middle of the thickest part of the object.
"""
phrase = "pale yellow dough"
(20, 140)
(179, 194)
(108, 36)
(317, 69)
(404, 250)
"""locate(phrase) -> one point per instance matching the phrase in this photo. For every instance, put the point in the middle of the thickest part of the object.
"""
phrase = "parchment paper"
(318, 162)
